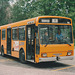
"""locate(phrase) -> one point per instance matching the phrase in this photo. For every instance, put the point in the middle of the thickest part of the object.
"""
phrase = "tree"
(24, 9)
(3, 6)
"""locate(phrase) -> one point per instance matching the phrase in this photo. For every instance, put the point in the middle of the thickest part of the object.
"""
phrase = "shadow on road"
(42, 65)
(52, 64)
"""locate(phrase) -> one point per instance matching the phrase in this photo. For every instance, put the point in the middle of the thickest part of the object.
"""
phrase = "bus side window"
(15, 33)
(3, 34)
(22, 33)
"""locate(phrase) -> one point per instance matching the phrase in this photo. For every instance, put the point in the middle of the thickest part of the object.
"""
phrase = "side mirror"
(36, 29)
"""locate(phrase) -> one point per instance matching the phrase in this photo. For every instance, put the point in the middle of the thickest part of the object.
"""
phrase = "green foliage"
(74, 43)
(3, 5)
(28, 9)
(24, 9)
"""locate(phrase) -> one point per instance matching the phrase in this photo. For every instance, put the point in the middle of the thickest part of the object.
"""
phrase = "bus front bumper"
(56, 58)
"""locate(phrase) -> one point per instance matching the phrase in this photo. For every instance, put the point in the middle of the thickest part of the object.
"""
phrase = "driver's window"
(43, 33)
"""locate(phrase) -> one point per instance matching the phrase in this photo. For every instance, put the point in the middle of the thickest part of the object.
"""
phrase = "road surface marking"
(10, 59)
(3, 60)
(63, 68)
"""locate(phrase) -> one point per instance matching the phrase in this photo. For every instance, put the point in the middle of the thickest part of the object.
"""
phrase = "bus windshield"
(55, 34)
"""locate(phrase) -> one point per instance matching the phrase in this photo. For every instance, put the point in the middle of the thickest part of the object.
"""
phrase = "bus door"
(9, 41)
(0, 40)
(30, 42)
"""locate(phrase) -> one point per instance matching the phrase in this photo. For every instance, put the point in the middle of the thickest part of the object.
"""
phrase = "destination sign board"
(54, 20)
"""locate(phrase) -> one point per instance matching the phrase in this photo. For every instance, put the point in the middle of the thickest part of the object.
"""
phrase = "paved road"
(65, 66)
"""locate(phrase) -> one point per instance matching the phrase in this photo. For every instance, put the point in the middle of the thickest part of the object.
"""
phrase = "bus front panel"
(56, 42)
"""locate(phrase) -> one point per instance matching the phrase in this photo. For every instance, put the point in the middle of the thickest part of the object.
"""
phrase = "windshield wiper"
(47, 43)
(68, 43)
(65, 41)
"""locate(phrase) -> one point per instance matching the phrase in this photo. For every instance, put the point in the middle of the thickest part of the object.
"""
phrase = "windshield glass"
(55, 34)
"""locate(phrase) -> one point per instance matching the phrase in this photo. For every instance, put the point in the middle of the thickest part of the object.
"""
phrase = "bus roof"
(28, 20)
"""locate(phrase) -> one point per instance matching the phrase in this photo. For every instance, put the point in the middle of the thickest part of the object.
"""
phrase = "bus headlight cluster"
(69, 53)
(44, 54)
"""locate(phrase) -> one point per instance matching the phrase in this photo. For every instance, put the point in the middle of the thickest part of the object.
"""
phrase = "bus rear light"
(44, 55)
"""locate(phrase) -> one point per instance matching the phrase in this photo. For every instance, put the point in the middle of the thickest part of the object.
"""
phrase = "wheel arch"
(2, 47)
(21, 49)
(2, 51)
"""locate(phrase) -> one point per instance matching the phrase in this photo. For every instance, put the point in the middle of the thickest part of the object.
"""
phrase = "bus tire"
(2, 51)
(22, 56)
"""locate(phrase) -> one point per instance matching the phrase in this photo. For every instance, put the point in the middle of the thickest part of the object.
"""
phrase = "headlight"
(69, 53)
(44, 54)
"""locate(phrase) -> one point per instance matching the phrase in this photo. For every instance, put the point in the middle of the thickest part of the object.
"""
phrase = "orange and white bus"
(40, 39)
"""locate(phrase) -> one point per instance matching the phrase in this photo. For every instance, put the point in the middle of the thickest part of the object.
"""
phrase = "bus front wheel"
(22, 56)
